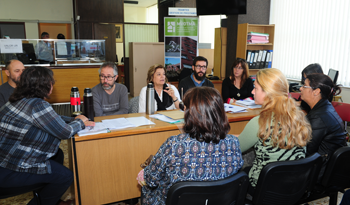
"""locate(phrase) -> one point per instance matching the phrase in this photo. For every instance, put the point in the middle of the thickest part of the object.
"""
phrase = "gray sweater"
(113, 104)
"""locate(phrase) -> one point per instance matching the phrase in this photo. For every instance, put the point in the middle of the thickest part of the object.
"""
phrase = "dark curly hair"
(35, 82)
(205, 117)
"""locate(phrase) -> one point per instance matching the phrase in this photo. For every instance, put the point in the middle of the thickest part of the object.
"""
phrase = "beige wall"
(134, 14)
(33, 11)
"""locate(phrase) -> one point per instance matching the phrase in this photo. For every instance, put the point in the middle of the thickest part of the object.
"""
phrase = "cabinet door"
(143, 56)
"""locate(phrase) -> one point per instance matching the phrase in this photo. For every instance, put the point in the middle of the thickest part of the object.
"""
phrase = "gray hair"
(109, 64)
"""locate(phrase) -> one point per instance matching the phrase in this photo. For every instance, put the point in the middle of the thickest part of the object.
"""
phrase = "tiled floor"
(25, 198)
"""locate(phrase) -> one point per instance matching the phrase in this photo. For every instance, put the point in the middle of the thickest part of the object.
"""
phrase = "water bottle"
(150, 105)
(75, 101)
(88, 104)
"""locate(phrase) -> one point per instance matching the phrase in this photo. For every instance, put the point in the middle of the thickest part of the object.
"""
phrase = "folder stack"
(254, 38)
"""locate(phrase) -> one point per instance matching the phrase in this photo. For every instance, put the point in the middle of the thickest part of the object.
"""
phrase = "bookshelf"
(243, 46)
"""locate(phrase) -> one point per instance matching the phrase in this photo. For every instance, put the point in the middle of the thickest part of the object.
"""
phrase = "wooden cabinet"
(142, 57)
(220, 47)
(243, 46)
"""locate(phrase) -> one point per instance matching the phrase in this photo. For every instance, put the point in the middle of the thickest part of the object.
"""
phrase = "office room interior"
(306, 32)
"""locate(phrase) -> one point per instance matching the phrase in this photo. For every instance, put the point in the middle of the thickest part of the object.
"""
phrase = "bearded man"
(110, 98)
(14, 69)
(197, 78)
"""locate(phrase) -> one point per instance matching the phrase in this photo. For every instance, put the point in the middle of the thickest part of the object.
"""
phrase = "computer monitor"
(28, 55)
(333, 74)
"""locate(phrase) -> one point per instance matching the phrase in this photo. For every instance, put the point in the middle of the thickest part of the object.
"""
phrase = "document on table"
(139, 121)
(174, 114)
(115, 124)
(97, 129)
(234, 108)
(118, 123)
(248, 103)
(165, 118)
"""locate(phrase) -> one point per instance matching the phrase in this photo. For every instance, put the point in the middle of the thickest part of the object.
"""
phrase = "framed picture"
(119, 33)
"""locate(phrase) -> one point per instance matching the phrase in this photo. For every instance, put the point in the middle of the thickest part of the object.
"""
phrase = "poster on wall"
(180, 44)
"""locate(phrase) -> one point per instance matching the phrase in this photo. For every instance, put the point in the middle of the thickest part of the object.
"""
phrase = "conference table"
(105, 165)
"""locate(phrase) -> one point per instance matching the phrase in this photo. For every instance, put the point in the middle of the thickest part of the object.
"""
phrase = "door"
(142, 57)
(106, 32)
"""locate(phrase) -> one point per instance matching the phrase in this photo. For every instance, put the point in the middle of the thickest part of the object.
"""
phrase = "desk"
(108, 163)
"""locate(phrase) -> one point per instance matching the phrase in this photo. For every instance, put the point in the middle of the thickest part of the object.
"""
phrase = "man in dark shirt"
(14, 69)
(197, 78)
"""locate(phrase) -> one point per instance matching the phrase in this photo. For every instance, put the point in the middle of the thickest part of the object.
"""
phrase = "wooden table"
(107, 164)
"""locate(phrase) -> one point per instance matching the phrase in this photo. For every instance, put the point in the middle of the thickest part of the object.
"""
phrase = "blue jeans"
(57, 182)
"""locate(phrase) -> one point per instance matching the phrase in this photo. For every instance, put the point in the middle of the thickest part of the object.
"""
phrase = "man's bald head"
(14, 69)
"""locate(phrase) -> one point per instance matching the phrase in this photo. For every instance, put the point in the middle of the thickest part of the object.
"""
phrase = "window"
(313, 31)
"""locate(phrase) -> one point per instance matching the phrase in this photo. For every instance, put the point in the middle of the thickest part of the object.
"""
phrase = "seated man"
(14, 69)
(197, 79)
(110, 98)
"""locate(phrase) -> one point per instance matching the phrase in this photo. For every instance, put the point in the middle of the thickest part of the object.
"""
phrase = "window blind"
(139, 33)
(312, 31)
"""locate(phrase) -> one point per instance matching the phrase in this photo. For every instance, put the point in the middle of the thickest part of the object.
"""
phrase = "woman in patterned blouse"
(205, 152)
(281, 131)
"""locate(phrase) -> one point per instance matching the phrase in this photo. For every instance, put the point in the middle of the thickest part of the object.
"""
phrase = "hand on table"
(85, 120)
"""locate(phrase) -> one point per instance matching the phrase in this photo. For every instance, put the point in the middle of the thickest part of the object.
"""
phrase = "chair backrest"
(134, 105)
(343, 110)
(295, 95)
(333, 74)
(337, 172)
(285, 182)
(231, 190)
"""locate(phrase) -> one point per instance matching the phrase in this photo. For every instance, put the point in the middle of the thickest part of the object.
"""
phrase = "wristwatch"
(175, 100)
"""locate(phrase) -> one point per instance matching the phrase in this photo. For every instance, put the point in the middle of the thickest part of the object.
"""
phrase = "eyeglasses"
(305, 86)
(107, 77)
(239, 68)
(203, 67)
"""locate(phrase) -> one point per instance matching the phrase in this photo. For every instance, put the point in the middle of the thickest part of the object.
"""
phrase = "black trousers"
(57, 182)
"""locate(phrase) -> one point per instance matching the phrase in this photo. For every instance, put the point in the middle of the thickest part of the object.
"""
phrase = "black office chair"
(285, 182)
(335, 178)
(231, 190)
(6, 192)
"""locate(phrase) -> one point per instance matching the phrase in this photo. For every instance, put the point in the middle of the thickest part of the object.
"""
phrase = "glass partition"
(57, 52)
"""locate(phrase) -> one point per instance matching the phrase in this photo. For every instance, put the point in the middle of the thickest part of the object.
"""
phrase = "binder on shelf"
(251, 60)
(256, 54)
(259, 61)
(263, 60)
(249, 53)
(270, 59)
(267, 59)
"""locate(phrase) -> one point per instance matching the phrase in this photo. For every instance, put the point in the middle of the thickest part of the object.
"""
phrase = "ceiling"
(143, 3)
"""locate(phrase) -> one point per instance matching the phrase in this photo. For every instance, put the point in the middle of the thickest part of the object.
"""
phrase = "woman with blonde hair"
(166, 96)
(281, 131)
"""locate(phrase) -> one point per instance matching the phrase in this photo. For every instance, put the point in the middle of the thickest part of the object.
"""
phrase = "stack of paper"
(254, 37)
(234, 109)
(114, 124)
(248, 103)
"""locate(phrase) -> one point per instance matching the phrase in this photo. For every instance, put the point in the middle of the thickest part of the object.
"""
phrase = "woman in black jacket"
(328, 133)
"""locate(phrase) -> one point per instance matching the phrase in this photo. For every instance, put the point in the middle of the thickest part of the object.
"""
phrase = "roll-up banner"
(180, 42)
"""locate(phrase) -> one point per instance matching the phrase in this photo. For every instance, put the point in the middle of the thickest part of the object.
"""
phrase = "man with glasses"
(197, 78)
(110, 98)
